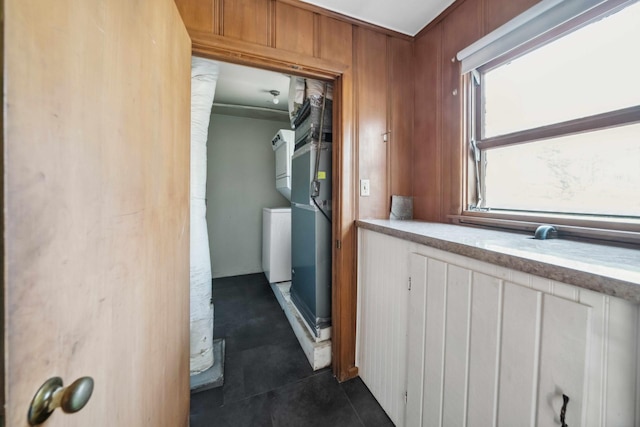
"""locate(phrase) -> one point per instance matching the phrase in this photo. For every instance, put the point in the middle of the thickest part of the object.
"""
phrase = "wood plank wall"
(438, 173)
(375, 97)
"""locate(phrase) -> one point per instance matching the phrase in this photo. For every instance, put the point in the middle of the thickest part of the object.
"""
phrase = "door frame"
(344, 242)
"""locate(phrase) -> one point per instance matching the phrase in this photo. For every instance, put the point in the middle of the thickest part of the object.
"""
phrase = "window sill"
(610, 270)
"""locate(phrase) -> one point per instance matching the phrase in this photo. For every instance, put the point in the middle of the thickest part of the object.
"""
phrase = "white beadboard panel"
(425, 362)
(541, 284)
(475, 344)
(563, 358)
(434, 344)
(484, 361)
(520, 346)
(594, 414)
(565, 291)
(417, 329)
(457, 347)
(622, 356)
(382, 320)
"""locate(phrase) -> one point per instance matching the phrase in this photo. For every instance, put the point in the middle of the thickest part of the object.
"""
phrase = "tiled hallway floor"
(267, 378)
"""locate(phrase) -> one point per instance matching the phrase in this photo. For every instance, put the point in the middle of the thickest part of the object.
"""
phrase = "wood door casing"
(335, 41)
(96, 173)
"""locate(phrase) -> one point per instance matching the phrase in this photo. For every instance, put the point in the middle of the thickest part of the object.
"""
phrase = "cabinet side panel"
(382, 349)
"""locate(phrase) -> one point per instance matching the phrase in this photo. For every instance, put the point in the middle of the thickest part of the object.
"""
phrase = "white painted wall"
(240, 182)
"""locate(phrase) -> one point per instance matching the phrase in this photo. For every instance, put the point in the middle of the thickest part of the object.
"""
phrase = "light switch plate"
(365, 189)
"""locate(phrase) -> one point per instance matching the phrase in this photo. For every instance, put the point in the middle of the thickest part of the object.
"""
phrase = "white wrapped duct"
(204, 74)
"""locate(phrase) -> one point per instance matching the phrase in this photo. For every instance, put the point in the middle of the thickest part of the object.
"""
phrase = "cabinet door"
(426, 335)
(563, 350)
(482, 351)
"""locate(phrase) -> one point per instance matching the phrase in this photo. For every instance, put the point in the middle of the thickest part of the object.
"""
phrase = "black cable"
(320, 209)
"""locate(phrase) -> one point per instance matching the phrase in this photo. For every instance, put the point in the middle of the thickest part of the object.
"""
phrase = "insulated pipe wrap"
(204, 74)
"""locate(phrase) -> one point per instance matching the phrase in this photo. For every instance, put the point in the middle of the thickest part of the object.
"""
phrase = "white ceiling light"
(275, 94)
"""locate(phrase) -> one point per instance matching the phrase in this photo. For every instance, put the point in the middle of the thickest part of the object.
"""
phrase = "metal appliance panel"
(311, 265)
(303, 165)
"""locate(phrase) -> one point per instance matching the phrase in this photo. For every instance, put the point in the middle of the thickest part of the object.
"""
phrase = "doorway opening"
(261, 223)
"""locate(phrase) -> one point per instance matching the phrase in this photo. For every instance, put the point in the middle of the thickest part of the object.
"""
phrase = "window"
(554, 119)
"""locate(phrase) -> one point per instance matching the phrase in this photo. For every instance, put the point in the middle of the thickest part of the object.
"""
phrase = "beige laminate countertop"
(608, 269)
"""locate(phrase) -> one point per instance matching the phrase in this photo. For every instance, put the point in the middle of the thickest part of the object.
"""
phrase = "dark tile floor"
(267, 378)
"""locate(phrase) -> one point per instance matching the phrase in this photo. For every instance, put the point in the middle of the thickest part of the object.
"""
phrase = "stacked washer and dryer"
(276, 222)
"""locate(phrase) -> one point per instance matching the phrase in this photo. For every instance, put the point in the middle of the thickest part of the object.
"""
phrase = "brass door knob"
(52, 395)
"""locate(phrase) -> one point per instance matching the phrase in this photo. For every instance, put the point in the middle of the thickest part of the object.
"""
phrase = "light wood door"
(96, 208)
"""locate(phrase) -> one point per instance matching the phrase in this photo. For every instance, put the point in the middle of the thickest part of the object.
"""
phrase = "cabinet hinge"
(338, 244)
(409, 284)
(405, 397)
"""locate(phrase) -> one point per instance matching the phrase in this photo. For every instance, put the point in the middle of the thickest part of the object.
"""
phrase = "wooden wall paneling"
(461, 28)
(427, 146)
(498, 12)
(371, 89)
(334, 41)
(294, 29)
(198, 14)
(401, 90)
(247, 20)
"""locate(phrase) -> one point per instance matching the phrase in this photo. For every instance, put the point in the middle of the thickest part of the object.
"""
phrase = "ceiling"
(404, 16)
(249, 87)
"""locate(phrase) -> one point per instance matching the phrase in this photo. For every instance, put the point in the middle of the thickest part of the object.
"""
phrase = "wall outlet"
(365, 189)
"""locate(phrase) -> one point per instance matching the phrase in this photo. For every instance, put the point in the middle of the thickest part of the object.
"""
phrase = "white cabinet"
(490, 346)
